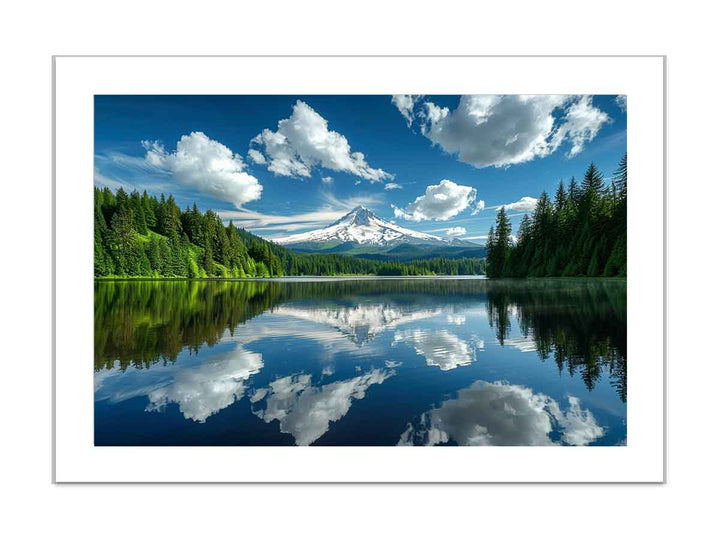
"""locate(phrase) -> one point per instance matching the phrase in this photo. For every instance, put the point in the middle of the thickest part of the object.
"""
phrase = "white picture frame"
(78, 79)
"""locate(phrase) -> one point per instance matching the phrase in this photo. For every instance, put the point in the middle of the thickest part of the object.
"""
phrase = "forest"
(581, 232)
(143, 236)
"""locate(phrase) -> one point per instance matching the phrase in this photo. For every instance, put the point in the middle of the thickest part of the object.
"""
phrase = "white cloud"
(303, 141)
(501, 414)
(525, 204)
(455, 231)
(327, 179)
(248, 219)
(102, 180)
(332, 210)
(582, 123)
(497, 131)
(405, 104)
(439, 348)
(440, 202)
(479, 207)
(256, 156)
(208, 166)
(621, 101)
(392, 185)
(349, 203)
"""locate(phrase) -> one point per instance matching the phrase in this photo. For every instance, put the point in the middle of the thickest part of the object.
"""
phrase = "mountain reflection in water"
(361, 362)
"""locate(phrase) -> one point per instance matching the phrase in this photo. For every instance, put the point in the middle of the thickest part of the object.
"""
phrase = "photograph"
(360, 270)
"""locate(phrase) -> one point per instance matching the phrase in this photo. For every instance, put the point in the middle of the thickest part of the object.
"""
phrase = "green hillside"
(142, 236)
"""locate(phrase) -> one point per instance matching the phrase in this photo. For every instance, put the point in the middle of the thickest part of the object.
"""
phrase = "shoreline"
(368, 277)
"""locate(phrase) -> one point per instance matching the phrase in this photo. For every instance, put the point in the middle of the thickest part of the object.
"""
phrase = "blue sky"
(281, 165)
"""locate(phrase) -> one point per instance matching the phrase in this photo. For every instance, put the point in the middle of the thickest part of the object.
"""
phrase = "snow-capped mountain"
(360, 226)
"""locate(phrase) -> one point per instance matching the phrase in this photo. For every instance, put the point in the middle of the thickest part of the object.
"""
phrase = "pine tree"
(593, 188)
(499, 244)
(583, 232)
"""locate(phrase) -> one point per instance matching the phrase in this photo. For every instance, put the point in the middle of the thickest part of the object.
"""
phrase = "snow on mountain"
(361, 226)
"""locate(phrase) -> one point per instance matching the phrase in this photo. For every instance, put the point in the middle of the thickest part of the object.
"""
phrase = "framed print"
(359, 269)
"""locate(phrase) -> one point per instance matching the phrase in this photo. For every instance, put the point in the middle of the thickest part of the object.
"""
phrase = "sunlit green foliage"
(141, 236)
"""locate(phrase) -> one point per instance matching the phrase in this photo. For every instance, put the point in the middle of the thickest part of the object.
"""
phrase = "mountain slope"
(362, 232)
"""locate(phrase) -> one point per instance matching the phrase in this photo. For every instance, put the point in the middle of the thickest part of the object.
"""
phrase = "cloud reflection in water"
(306, 411)
(203, 390)
(501, 414)
(439, 347)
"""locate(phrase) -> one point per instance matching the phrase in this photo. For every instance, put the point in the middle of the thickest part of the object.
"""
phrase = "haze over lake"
(361, 362)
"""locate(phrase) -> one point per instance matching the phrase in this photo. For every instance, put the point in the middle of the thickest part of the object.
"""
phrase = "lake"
(369, 361)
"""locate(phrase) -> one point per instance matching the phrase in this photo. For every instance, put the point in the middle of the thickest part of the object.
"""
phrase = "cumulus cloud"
(256, 156)
(440, 202)
(439, 348)
(498, 131)
(582, 123)
(303, 142)
(501, 414)
(621, 101)
(392, 185)
(327, 179)
(455, 231)
(305, 411)
(525, 204)
(405, 103)
(206, 165)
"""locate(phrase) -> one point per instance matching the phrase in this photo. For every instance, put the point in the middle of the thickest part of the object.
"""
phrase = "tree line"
(143, 236)
(581, 232)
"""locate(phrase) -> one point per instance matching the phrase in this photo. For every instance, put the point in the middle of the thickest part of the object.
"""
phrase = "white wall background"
(32, 31)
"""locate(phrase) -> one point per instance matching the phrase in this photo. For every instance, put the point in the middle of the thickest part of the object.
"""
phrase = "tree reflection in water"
(580, 324)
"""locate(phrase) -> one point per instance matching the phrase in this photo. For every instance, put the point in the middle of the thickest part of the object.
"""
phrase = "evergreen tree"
(583, 232)
(499, 245)
(171, 243)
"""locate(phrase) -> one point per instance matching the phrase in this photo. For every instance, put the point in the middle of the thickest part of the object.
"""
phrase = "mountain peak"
(357, 216)
(360, 210)
(361, 226)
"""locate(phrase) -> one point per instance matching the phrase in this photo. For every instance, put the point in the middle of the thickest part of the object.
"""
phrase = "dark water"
(361, 362)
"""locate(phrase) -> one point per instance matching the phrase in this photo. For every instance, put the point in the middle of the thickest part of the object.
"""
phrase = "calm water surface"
(361, 362)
